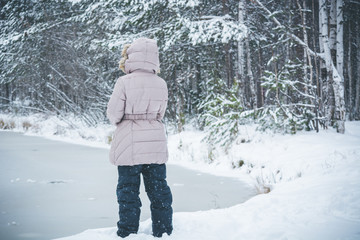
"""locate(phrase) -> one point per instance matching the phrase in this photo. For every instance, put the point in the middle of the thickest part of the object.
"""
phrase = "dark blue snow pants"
(158, 191)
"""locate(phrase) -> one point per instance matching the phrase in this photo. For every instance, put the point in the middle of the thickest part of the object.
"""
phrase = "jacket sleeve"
(116, 105)
(163, 107)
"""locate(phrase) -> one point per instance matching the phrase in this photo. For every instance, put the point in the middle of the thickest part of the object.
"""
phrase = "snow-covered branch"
(291, 35)
(215, 28)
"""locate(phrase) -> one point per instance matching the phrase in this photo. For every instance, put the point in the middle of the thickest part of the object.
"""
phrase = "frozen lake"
(52, 189)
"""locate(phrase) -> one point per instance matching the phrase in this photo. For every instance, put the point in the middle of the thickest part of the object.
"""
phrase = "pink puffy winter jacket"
(136, 107)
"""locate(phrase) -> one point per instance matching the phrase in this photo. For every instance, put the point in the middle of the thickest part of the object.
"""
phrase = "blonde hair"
(124, 57)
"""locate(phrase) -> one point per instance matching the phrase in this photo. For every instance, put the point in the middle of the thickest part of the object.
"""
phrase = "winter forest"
(285, 65)
(262, 124)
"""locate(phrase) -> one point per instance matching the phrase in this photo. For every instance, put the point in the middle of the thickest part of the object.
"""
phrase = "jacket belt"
(145, 116)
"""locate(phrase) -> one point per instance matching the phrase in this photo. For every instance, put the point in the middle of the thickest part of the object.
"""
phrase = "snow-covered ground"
(314, 180)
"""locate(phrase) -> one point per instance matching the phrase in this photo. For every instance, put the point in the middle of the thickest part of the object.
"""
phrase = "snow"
(314, 180)
(74, 1)
(220, 29)
(69, 129)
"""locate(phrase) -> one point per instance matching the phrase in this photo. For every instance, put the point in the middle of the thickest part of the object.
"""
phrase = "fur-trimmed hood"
(142, 54)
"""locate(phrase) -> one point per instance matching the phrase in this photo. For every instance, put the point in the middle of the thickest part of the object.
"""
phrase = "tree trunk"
(340, 38)
(336, 81)
(250, 76)
(253, 100)
(332, 30)
(228, 68)
(228, 65)
(357, 94)
(307, 57)
(241, 58)
(318, 95)
(349, 77)
(326, 70)
(259, 87)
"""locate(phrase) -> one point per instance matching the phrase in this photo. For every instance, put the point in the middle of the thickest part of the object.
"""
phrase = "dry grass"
(26, 125)
(109, 139)
(7, 125)
(261, 187)
(237, 164)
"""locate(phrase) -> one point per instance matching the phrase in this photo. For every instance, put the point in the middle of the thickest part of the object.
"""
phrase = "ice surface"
(52, 189)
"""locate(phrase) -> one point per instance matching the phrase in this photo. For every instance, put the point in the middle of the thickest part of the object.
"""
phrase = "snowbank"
(314, 180)
(69, 129)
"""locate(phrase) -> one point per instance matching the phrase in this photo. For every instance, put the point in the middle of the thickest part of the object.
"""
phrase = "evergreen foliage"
(221, 113)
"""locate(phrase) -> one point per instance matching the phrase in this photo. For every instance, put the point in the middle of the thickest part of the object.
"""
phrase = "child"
(139, 146)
